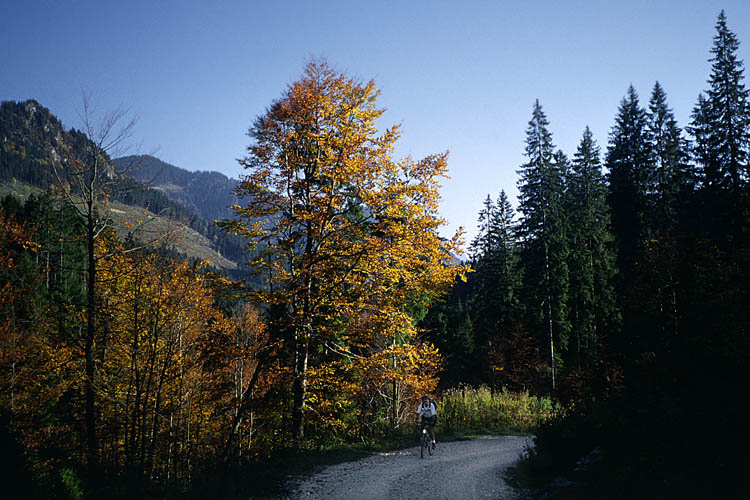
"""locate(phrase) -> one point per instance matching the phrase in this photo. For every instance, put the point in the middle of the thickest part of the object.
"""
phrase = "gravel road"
(461, 470)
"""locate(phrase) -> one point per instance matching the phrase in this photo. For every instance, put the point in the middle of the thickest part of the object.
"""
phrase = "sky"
(457, 75)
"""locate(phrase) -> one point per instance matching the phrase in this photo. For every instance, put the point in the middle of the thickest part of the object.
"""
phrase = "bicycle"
(425, 441)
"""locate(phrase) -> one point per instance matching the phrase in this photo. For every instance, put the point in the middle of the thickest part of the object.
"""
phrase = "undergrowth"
(482, 410)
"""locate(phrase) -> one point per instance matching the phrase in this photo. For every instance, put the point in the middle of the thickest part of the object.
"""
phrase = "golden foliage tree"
(171, 365)
(346, 234)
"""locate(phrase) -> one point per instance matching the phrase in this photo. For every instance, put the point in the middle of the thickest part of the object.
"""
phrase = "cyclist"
(429, 416)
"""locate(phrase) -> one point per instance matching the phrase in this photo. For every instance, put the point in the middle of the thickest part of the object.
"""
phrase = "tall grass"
(469, 410)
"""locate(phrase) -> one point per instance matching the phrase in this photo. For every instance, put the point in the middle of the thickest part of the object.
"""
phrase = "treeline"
(622, 287)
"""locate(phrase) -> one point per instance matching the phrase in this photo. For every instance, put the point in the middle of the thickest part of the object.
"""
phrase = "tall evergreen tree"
(481, 307)
(729, 111)
(493, 301)
(593, 309)
(721, 135)
(481, 244)
(671, 180)
(702, 149)
(542, 229)
(629, 161)
(505, 260)
(495, 258)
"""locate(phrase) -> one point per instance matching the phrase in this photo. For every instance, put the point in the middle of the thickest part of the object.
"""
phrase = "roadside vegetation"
(484, 411)
(464, 413)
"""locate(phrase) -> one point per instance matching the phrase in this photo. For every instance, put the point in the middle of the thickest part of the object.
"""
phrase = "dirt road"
(461, 470)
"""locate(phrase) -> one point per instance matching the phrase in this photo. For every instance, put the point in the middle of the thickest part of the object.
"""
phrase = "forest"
(609, 310)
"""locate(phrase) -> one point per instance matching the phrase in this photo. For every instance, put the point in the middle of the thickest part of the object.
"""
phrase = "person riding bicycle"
(428, 411)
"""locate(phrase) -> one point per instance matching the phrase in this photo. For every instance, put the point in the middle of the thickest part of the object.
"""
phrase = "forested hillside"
(34, 141)
(208, 194)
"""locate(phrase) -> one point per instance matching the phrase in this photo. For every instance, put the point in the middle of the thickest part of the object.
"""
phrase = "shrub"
(484, 410)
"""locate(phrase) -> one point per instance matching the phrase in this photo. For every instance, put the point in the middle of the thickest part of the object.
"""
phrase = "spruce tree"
(494, 285)
(729, 111)
(542, 230)
(670, 182)
(721, 133)
(630, 165)
(703, 150)
(593, 309)
(480, 245)
(505, 261)
(481, 308)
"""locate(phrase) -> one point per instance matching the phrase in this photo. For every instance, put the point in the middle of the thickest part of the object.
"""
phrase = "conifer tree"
(481, 307)
(629, 161)
(505, 260)
(542, 229)
(729, 111)
(671, 181)
(480, 246)
(702, 149)
(593, 309)
(721, 134)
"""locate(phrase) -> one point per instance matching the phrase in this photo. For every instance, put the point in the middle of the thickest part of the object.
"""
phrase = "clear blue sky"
(458, 75)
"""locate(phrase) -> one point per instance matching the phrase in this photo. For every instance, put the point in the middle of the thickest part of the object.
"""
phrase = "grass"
(469, 410)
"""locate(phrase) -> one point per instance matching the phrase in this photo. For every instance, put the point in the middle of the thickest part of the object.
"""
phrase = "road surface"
(460, 470)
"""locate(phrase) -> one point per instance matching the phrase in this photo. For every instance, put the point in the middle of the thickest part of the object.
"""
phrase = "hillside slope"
(208, 194)
(32, 140)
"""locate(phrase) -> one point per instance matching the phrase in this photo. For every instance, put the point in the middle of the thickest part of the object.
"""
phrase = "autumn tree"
(173, 369)
(15, 285)
(83, 177)
(36, 372)
(345, 233)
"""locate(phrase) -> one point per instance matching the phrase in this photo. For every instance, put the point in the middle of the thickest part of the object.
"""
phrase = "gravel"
(460, 470)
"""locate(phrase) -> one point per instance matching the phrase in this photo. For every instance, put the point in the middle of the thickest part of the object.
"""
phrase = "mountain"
(32, 140)
(207, 194)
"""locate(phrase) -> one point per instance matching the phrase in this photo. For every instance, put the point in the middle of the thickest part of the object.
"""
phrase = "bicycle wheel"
(430, 447)
(424, 444)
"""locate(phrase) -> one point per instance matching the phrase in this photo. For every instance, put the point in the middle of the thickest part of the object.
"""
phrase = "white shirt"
(428, 410)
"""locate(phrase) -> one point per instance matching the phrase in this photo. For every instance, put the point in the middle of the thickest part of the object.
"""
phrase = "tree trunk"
(91, 438)
(299, 388)
(548, 299)
(244, 407)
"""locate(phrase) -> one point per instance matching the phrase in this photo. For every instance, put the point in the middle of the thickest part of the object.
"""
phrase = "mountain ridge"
(33, 139)
(207, 193)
